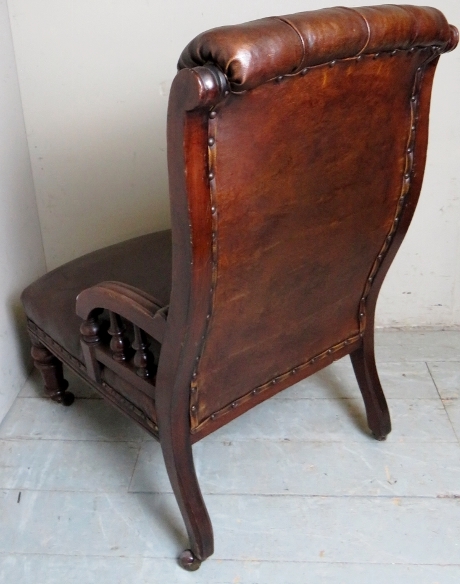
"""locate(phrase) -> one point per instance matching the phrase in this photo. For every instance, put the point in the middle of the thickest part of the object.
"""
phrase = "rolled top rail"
(252, 53)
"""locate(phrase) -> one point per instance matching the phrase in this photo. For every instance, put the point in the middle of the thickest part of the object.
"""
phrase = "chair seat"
(143, 262)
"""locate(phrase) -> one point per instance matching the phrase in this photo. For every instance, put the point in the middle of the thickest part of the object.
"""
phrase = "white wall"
(95, 76)
(21, 251)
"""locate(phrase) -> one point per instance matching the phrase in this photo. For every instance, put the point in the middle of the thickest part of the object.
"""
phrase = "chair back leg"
(363, 360)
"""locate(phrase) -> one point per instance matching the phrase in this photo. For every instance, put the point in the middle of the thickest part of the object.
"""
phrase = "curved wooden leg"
(378, 415)
(177, 453)
(51, 369)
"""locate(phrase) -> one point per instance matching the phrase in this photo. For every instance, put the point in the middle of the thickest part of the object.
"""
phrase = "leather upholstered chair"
(296, 150)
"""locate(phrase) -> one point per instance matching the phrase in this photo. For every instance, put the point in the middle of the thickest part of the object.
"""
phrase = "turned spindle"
(117, 342)
(140, 356)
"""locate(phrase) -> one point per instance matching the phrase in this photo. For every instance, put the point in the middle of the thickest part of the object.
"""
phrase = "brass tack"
(369, 279)
(226, 92)
(213, 416)
(413, 128)
(211, 141)
(213, 209)
(304, 71)
(401, 198)
(361, 314)
(279, 78)
(407, 175)
(294, 371)
(254, 391)
(329, 351)
(212, 114)
(377, 55)
(313, 360)
(234, 404)
(208, 316)
(332, 63)
(363, 299)
(409, 150)
(413, 98)
(389, 239)
(273, 381)
(193, 408)
(347, 342)
(393, 53)
(380, 255)
(211, 175)
(193, 389)
(197, 359)
(359, 58)
(397, 220)
(194, 375)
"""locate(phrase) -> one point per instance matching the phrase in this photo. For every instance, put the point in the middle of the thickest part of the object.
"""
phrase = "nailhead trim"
(261, 389)
(405, 188)
(195, 425)
(194, 390)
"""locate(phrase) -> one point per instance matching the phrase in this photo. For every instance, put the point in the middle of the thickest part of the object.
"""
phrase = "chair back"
(296, 153)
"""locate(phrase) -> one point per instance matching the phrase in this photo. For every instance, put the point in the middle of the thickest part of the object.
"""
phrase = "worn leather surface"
(143, 262)
(255, 52)
(308, 167)
(308, 174)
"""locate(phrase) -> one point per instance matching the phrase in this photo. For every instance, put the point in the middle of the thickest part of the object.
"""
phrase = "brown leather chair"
(296, 150)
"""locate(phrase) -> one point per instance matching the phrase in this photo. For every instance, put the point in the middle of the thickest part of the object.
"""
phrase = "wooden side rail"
(132, 362)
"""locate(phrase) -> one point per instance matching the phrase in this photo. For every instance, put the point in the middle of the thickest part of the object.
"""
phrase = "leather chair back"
(302, 168)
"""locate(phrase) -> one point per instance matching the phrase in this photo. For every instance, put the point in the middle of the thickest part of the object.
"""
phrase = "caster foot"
(189, 561)
(379, 438)
(66, 398)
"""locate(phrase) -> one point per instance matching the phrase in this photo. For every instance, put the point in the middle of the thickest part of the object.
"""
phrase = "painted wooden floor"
(298, 491)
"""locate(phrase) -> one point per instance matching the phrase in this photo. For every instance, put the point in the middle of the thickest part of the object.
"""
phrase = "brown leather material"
(253, 53)
(303, 204)
(143, 262)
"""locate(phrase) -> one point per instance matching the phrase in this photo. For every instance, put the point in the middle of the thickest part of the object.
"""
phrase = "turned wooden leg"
(51, 369)
(378, 415)
(177, 453)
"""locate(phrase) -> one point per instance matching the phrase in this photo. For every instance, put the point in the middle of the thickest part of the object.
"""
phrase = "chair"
(296, 150)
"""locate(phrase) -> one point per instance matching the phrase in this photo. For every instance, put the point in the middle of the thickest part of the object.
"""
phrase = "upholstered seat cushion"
(143, 262)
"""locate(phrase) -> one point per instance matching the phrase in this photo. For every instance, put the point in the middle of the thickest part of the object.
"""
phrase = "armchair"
(296, 151)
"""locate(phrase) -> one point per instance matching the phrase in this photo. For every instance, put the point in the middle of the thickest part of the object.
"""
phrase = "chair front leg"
(51, 370)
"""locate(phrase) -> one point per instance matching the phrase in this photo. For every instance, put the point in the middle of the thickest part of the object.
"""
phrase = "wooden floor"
(297, 490)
